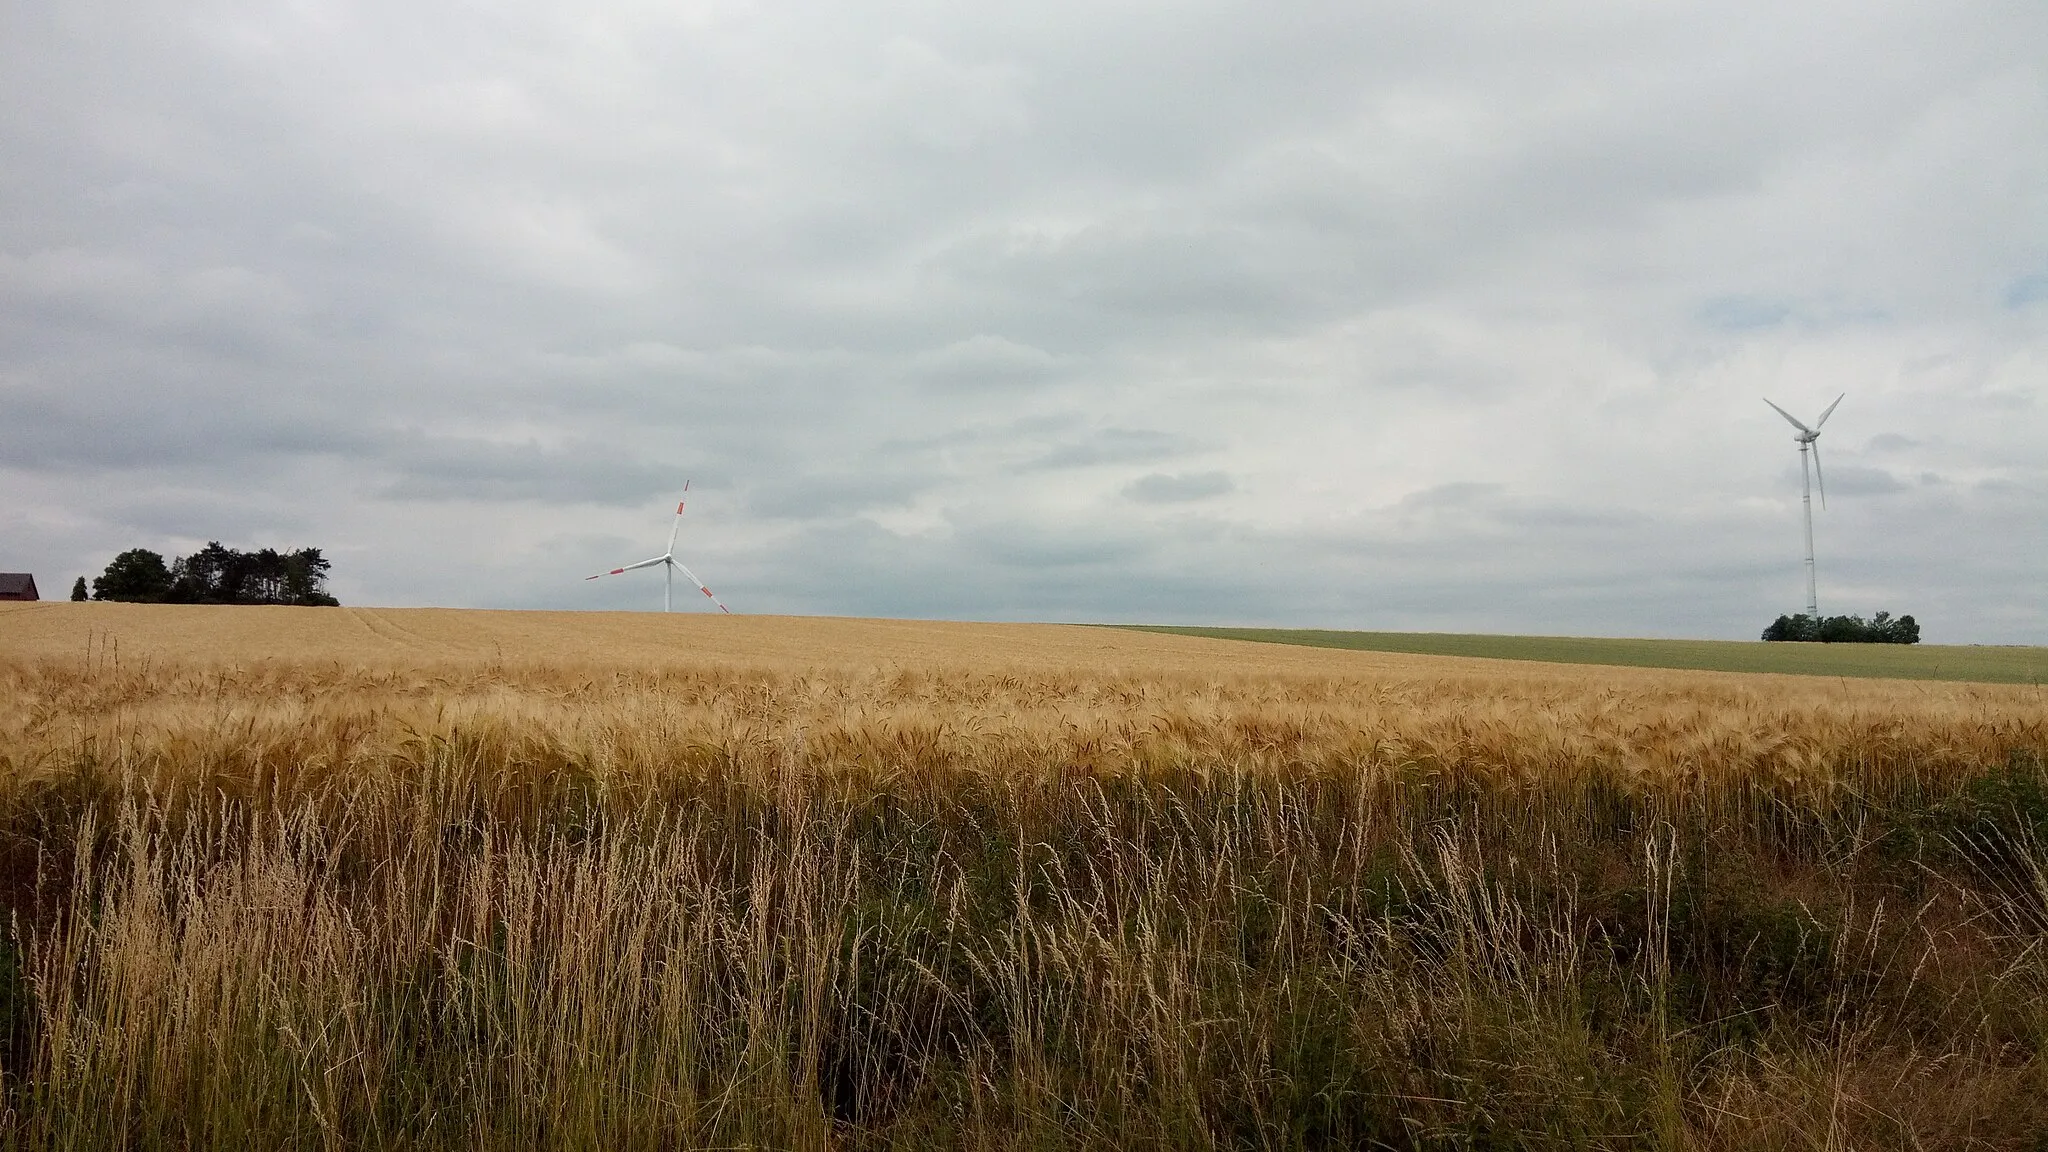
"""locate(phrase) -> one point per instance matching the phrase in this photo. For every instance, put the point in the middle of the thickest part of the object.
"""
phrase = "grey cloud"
(984, 434)
(175, 518)
(1736, 313)
(117, 417)
(459, 468)
(1162, 488)
(1490, 510)
(1858, 480)
(1029, 546)
(817, 497)
(1137, 269)
(983, 360)
(2027, 290)
(1460, 494)
(1113, 446)
(1587, 522)
(2005, 486)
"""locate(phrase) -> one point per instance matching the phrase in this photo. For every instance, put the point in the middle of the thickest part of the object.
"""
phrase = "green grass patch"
(1978, 663)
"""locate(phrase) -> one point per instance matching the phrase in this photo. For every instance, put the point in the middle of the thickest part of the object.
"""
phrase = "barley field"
(337, 878)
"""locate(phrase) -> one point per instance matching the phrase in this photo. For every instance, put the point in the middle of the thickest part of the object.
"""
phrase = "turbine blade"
(678, 525)
(1788, 416)
(1830, 412)
(1820, 480)
(629, 568)
(701, 587)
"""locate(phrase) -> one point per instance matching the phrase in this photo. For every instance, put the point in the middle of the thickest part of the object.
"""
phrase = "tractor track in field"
(380, 623)
(386, 631)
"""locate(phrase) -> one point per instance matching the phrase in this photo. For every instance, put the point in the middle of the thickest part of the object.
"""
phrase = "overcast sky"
(1451, 317)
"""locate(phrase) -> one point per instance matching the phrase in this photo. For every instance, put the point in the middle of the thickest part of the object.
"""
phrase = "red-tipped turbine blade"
(701, 588)
(629, 568)
(676, 525)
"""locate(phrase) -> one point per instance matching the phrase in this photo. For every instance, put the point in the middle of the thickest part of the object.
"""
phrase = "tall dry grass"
(495, 903)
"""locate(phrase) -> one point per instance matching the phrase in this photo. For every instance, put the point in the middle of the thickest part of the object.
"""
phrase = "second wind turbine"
(1809, 438)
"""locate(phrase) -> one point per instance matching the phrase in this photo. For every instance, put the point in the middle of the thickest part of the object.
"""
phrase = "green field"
(1978, 663)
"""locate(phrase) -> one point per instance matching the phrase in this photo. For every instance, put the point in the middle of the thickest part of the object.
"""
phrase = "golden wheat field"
(329, 681)
(321, 878)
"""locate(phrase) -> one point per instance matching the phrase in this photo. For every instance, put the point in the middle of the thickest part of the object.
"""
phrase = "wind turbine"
(670, 565)
(1809, 438)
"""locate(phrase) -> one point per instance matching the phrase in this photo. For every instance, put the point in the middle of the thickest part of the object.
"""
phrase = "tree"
(1801, 627)
(1880, 629)
(78, 589)
(217, 574)
(212, 575)
(1843, 630)
(137, 575)
(305, 578)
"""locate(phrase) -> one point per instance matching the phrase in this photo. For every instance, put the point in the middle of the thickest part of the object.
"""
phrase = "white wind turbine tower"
(670, 565)
(1809, 438)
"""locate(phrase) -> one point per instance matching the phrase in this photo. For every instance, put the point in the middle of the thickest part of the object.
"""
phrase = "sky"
(1387, 316)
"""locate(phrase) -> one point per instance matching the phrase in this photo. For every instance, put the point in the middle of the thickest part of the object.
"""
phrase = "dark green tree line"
(1879, 629)
(218, 575)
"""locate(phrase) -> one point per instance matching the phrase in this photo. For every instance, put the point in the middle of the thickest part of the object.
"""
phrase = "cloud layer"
(1383, 316)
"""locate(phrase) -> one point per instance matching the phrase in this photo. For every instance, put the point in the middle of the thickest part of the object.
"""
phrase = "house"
(18, 586)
